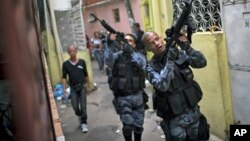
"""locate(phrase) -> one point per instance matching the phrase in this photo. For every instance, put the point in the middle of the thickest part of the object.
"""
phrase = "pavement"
(103, 122)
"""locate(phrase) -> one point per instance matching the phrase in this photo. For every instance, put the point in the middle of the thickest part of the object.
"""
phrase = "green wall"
(215, 83)
(51, 58)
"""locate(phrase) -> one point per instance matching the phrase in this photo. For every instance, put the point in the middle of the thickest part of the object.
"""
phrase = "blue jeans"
(79, 102)
(98, 55)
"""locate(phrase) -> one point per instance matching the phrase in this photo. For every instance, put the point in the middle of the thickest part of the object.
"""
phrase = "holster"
(203, 129)
(160, 103)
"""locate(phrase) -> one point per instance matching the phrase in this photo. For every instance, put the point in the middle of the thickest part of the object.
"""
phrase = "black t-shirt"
(77, 73)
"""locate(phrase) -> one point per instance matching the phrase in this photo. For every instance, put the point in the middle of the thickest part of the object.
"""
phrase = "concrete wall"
(238, 43)
(104, 11)
(214, 79)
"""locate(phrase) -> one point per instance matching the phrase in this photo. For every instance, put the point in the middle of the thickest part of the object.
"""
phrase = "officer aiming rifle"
(127, 81)
(119, 35)
(177, 94)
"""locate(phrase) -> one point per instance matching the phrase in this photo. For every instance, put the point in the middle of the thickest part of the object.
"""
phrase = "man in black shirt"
(76, 71)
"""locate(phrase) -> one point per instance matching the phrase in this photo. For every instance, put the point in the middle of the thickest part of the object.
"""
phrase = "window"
(146, 10)
(116, 15)
(147, 18)
(205, 14)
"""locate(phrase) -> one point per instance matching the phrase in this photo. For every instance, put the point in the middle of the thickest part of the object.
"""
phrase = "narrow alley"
(103, 122)
(34, 40)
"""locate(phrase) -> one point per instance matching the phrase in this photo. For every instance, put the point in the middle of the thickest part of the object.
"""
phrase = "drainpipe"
(131, 18)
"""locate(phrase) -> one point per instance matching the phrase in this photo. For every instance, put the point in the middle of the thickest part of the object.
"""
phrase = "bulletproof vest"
(126, 76)
(183, 92)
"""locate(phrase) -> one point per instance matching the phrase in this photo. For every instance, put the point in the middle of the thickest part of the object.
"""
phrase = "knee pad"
(127, 130)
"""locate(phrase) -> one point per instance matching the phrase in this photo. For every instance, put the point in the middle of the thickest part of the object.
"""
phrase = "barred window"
(116, 15)
(205, 14)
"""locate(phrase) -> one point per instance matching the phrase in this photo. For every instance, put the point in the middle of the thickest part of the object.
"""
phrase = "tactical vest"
(183, 94)
(126, 76)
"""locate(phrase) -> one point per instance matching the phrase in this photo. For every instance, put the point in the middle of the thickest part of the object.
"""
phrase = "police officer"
(127, 83)
(177, 93)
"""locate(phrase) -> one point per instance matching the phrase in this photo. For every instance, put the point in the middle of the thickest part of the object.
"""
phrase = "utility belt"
(124, 85)
(77, 86)
(127, 93)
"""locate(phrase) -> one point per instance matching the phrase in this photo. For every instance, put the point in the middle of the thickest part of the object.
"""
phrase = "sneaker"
(84, 128)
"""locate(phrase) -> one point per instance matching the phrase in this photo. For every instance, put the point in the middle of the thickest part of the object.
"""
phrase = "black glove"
(127, 49)
(173, 53)
(184, 45)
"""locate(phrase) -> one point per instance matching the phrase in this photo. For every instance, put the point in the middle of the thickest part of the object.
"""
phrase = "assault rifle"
(119, 35)
(174, 32)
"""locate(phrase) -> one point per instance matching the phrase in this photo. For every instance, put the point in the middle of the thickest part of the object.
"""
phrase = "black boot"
(128, 138)
(137, 136)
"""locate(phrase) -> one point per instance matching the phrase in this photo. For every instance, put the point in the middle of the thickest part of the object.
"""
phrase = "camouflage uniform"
(177, 94)
(131, 113)
(127, 82)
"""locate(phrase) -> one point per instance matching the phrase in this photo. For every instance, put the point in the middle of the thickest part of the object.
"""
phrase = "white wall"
(237, 29)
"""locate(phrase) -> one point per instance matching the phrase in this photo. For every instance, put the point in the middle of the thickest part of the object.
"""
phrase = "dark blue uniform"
(176, 92)
(127, 83)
